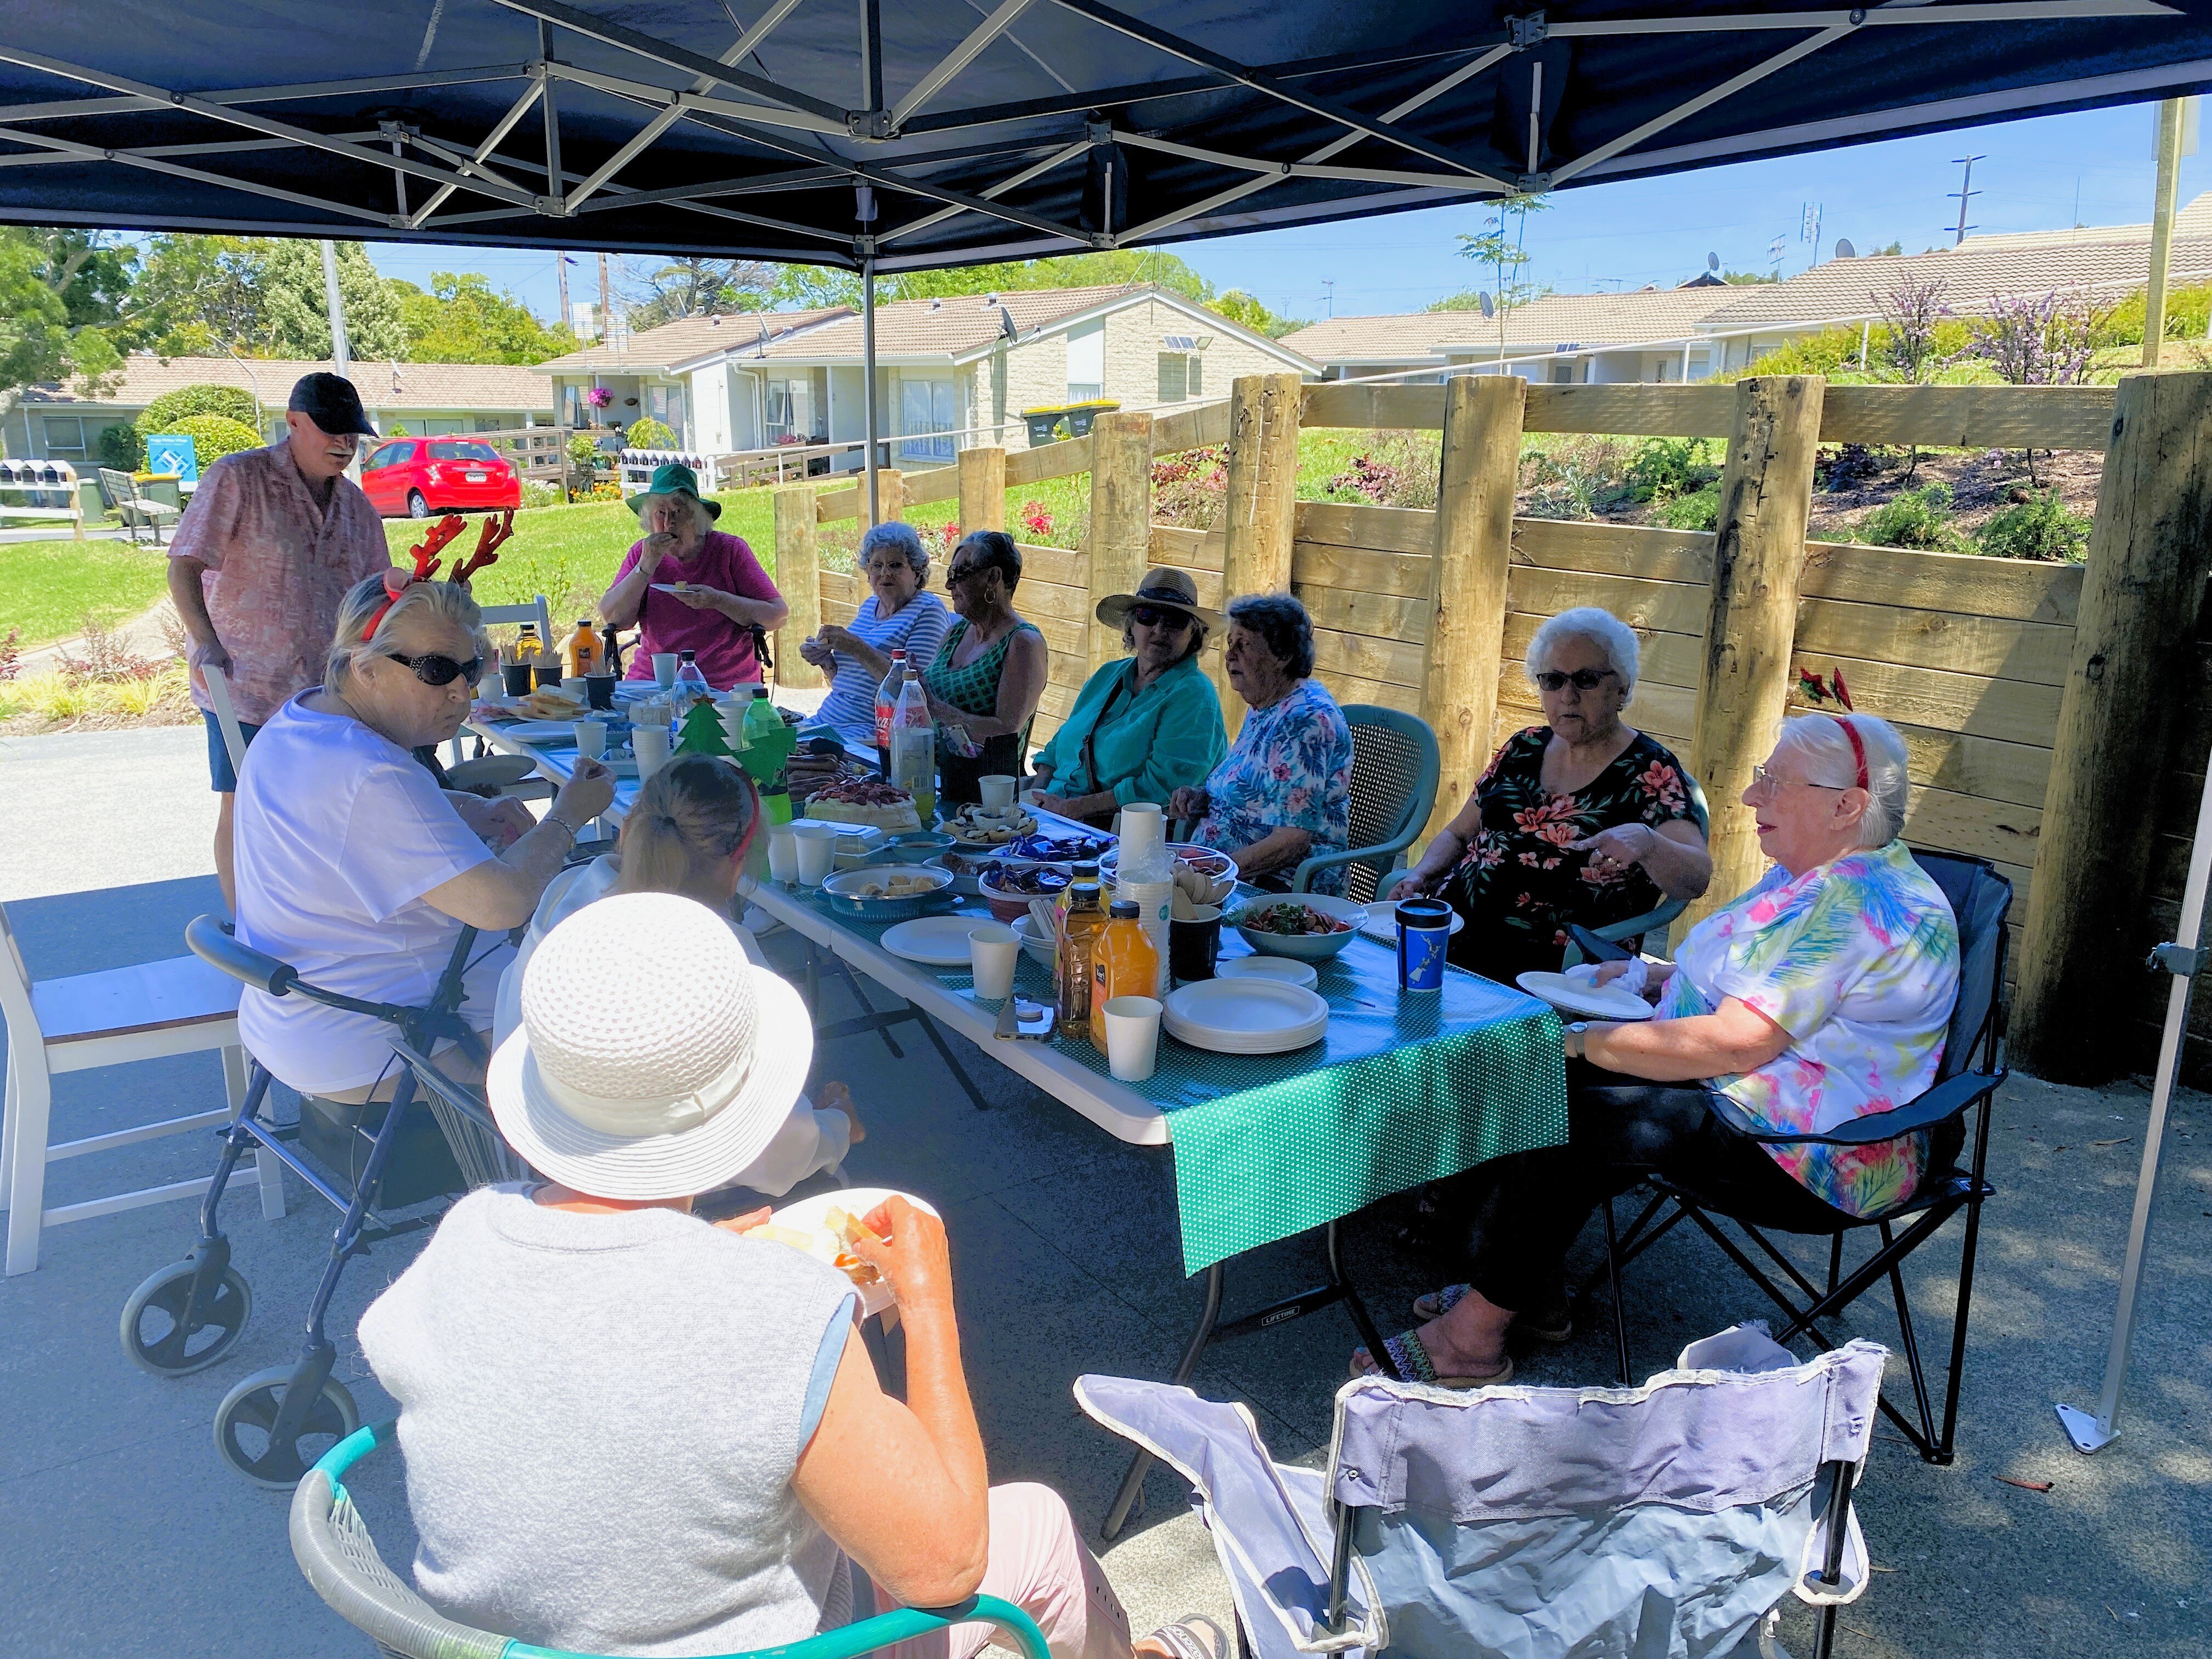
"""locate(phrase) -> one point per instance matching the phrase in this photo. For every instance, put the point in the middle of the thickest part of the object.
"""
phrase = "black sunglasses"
(1582, 679)
(440, 671)
(961, 573)
(1151, 615)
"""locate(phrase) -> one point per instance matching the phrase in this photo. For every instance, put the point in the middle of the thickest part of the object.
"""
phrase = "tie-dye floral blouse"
(1857, 960)
(1289, 768)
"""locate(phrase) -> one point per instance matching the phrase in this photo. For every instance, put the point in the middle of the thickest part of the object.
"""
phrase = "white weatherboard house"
(951, 373)
(60, 422)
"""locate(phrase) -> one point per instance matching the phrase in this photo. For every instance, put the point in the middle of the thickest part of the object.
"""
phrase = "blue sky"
(2034, 175)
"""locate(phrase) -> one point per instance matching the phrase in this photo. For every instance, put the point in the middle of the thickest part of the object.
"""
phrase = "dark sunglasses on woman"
(1582, 679)
(1153, 617)
(440, 671)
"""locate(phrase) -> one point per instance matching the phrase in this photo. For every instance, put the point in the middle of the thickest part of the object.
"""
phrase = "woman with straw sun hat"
(630, 1430)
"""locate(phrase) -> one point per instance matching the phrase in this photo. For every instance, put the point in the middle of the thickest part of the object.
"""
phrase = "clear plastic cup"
(992, 952)
(1133, 1036)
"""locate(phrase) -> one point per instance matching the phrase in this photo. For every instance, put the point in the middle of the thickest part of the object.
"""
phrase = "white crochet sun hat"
(653, 1061)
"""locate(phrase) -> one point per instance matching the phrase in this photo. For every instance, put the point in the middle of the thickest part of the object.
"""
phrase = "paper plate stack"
(1245, 1016)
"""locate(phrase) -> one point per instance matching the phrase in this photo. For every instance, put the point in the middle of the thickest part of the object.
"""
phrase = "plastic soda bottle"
(1079, 927)
(768, 741)
(584, 649)
(913, 747)
(691, 685)
(1123, 963)
(887, 696)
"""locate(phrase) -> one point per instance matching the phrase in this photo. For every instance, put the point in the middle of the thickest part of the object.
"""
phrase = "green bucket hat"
(675, 479)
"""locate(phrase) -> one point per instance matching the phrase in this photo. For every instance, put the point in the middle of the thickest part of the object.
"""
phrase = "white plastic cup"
(782, 854)
(992, 952)
(817, 844)
(664, 669)
(998, 792)
(492, 688)
(591, 739)
(649, 744)
(1133, 1036)
(574, 689)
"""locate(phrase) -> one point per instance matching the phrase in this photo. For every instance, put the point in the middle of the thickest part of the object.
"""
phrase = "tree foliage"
(59, 317)
(1503, 245)
(295, 308)
(657, 290)
(201, 296)
(461, 320)
(1910, 313)
(171, 407)
(215, 436)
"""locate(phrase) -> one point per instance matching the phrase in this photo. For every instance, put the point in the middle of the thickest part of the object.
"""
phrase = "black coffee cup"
(1194, 946)
(517, 676)
(599, 690)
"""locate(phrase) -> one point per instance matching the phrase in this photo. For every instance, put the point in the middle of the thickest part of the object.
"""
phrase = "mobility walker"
(188, 1316)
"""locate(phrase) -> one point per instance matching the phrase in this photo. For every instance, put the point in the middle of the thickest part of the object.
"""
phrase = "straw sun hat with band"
(674, 479)
(653, 1061)
(1164, 589)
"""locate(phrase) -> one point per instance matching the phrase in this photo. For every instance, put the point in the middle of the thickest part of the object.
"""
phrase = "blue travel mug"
(1424, 934)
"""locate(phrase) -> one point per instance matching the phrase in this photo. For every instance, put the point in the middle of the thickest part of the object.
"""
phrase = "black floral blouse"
(1518, 885)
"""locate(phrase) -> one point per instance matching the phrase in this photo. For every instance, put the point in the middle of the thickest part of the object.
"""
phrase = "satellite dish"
(1712, 262)
(1489, 307)
(1844, 250)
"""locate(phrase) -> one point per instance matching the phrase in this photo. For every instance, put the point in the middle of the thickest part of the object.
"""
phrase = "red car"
(422, 477)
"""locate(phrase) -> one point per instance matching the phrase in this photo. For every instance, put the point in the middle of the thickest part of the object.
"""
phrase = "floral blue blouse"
(1289, 768)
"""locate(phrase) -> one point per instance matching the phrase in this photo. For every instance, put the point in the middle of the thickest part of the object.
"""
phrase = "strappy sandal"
(1554, 1325)
(1414, 1364)
(1182, 1639)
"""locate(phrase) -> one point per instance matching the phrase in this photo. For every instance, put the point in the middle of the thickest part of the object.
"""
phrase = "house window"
(788, 409)
(666, 404)
(926, 406)
(1086, 362)
(1563, 374)
(1700, 365)
(65, 437)
(1197, 376)
(1174, 377)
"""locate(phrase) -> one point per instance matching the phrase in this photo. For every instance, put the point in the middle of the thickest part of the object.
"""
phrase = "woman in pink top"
(721, 594)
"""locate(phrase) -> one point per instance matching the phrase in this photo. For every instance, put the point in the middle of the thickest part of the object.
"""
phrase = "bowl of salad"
(1311, 927)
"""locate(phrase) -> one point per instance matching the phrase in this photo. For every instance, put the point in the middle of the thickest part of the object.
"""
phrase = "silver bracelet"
(554, 817)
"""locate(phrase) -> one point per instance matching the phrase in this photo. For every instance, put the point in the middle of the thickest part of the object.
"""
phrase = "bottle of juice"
(1123, 963)
(1077, 874)
(1079, 927)
(529, 649)
(584, 649)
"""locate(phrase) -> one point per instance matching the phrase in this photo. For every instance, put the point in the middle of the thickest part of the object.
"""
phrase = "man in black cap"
(272, 540)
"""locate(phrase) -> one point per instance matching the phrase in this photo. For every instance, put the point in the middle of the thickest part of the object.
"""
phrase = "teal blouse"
(1145, 746)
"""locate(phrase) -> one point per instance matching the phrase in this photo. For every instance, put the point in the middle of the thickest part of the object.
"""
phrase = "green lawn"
(48, 588)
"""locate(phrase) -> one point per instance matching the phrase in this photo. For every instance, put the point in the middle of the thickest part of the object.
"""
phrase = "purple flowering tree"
(2049, 341)
(1910, 312)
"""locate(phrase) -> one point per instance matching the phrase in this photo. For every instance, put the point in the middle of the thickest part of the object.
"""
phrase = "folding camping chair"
(1395, 764)
(1972, 1070)
(1535, 1523)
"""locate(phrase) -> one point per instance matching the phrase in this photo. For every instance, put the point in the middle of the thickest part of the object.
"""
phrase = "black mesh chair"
(1394, 768)
(1972, 1070)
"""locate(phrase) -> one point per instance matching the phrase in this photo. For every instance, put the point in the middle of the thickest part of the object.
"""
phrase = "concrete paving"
(121, 1532)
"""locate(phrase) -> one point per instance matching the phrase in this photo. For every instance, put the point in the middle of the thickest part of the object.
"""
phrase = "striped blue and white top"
(849, 710)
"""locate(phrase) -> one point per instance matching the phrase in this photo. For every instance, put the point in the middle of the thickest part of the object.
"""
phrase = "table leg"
(1132, 1483)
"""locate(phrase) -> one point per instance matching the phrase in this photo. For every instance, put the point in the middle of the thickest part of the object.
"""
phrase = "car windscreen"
(457, 450)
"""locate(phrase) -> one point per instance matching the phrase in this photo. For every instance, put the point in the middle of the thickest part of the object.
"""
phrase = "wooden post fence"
(799, 579)
(1259, 517)
(1120, 544)
(1743, 683)
(1479, 468)
(983, 489)
(891, 498)
(2142, 593)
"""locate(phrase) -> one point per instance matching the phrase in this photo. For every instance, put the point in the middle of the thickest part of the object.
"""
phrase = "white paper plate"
(808, 1213)
(1288, 970)
(1571, 996)
(1381, 923)
(934, 941)
(542, 731)
(1244, 1016)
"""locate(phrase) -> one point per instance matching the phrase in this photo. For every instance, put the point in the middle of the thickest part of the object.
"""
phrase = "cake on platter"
(869, 801)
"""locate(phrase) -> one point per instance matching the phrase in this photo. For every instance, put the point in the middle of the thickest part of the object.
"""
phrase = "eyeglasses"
(436, 669)
(1582, 679)
(961, 573)
(886, 567)
(1760, 776)
(1150, 616)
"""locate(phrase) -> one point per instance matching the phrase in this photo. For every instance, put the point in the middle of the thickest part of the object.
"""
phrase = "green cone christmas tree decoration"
(702, 732)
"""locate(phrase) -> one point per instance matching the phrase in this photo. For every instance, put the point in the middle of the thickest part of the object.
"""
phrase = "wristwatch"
(1575, 1034)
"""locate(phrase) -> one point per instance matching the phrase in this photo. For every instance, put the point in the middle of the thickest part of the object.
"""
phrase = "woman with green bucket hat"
(689, 586)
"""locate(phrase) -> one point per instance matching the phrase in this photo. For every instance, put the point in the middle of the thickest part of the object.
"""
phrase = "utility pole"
(1966, 192)
(1330, 283)
(2162, 228)
(561, 271)
(606, 304)
(341, 357)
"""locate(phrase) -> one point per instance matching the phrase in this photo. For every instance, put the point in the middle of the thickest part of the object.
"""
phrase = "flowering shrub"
(107, 660)
(1187, 488)
(1036, 520)
(598, 396)
(948, 537)
(10, 649)
(1375, 481)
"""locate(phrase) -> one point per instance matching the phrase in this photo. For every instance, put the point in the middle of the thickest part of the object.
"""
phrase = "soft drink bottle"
(887, 696)
(913, 747)
(691, 685)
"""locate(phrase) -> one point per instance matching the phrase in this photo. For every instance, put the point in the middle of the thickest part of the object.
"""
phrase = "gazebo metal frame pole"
(2183, 961)
(868, 368)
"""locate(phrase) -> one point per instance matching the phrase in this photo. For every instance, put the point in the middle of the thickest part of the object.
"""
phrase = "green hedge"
(166, 411)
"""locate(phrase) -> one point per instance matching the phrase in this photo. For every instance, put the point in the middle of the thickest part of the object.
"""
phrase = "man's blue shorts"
(222, 780)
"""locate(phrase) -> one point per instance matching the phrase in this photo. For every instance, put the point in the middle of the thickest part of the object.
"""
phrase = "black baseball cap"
(330, 402)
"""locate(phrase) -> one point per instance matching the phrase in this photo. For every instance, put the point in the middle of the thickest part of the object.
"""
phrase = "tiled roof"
(1387, 339)
(1591, 319)
(1973, 277)
(2194, 218)
(681, 341)
(382, 384)
(949, 327)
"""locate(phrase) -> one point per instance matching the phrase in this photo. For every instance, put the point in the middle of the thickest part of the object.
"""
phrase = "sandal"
(1414, 1364)
(1554, 1326)
(1182, 1639)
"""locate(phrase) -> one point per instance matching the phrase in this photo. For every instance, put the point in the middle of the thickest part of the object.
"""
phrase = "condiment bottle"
(1079, 927)
(1123, 963)
(584, 649)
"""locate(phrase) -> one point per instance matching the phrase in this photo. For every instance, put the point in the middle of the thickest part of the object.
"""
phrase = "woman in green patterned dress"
(989, 673)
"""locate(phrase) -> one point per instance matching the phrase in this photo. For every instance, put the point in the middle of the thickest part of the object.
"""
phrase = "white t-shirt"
(338, 834)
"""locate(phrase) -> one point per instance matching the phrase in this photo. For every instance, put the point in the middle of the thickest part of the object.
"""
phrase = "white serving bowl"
(1306, 947)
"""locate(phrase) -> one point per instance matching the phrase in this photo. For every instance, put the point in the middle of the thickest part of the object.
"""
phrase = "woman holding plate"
(686, 586)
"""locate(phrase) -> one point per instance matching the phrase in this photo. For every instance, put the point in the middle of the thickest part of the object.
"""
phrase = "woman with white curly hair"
(1819, 997)
(1580, 820)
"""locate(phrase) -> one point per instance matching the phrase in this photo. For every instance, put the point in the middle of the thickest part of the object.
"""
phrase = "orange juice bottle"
(584, 649)
(1124, 963)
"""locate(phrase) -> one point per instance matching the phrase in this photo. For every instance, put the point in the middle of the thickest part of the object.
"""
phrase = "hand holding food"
(698, 597)
(832, 1243)
(908, 1247)
(588, 792)
(812, 649)
(1188, 803)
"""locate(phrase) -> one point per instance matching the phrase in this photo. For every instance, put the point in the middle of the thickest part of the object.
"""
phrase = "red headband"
(1858, 748)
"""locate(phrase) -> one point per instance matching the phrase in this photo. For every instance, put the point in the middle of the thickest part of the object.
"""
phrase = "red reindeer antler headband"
(490, 539)
(397, 582)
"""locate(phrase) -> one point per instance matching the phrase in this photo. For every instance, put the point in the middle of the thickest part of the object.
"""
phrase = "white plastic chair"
(147, 1012)
(537, 610)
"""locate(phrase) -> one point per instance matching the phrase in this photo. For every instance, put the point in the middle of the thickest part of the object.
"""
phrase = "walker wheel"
(243, 1422)
(154, 1332)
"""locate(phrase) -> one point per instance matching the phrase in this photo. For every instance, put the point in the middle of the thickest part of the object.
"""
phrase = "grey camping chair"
(1536, 1523)
(1395, 764)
